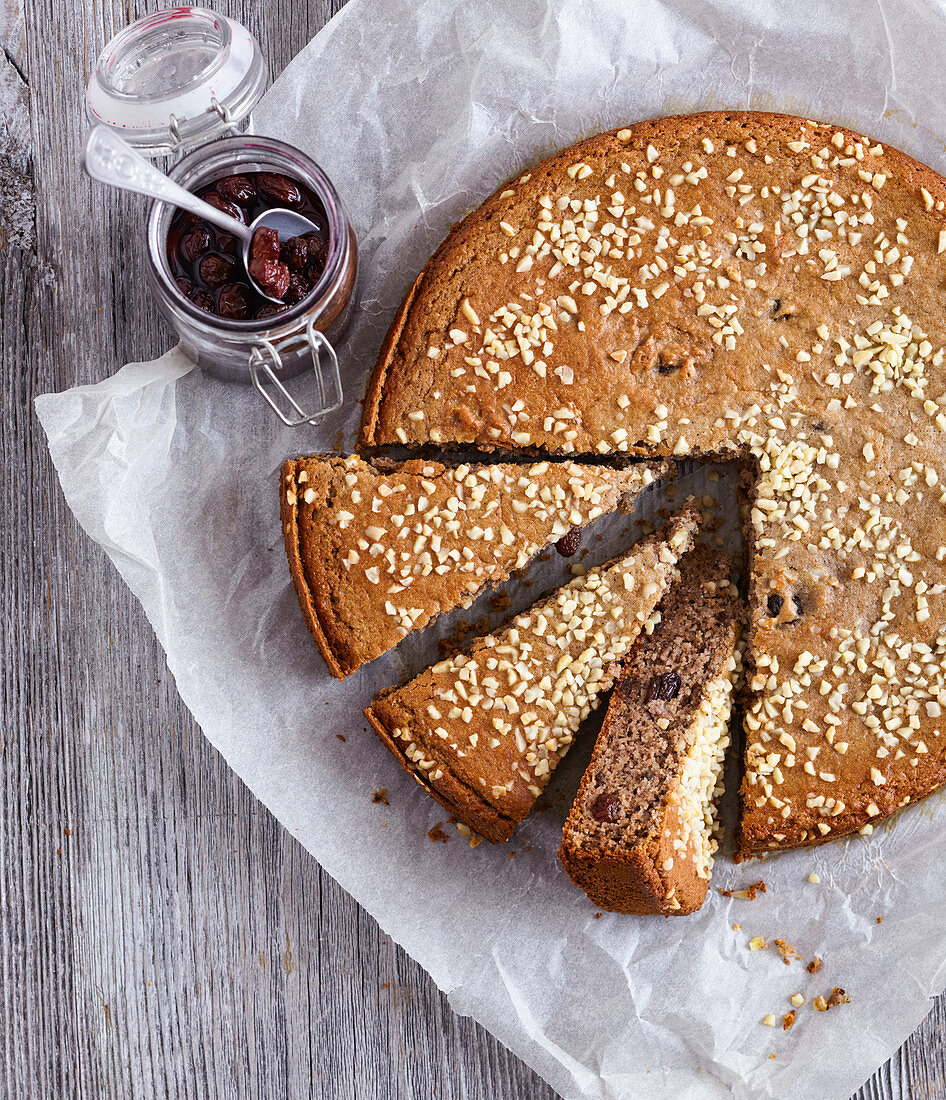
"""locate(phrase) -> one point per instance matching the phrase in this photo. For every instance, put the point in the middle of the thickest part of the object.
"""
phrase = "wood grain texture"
(160, 934)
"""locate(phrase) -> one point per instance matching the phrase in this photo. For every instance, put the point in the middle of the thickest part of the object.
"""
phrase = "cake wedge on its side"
(639, 837)
(483, 730)
(376, 553)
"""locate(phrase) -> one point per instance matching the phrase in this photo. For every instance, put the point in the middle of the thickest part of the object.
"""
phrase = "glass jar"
(174, 82)
(281, 347)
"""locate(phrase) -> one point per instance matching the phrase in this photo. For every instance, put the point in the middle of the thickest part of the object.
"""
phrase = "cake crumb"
(748, 893)
(786, 951)
(436, 833)
(737, 927)
(838, 997)
(788, 1020)
(381, 795)
(814, 966)
(340, 736)
(880, 920)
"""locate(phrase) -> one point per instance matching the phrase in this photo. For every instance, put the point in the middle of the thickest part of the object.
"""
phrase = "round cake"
(743, 284)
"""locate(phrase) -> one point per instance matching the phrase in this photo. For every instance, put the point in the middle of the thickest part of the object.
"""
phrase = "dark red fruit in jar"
(204, 299)
(568, 544)
(265, 265)
(207, 263)
(294, 253)
(272, 276)
(279, 188)
(238, 189)
(196, 243)
(265, 245)
(318, 248)
(220, 203)
(606, 807)
(297, 289)
(216, 270)
(233, 302)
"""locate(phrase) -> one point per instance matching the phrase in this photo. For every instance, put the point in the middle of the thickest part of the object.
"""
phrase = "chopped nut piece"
(748, 893)
(838, 997)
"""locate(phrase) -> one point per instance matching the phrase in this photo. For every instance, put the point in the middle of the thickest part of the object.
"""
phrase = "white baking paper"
(417, 110)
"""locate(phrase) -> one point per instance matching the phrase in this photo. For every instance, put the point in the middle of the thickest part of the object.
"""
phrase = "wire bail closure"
(216, 108)
(265, 361)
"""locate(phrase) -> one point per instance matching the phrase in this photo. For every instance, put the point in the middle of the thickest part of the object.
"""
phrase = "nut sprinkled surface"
(509, 706)
(776, 275)
(376, 554)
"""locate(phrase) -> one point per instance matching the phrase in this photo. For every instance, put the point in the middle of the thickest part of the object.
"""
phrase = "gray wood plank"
(160, 934)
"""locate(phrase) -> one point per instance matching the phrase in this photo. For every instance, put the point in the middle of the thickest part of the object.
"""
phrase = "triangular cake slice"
(639, 837)
(483, 730)
(375, 553)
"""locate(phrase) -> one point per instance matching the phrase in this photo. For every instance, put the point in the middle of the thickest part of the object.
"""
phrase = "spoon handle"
(109, 159)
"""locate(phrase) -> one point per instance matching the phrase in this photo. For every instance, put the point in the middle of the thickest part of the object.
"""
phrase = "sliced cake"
(639, 838)
(378, 553)
(746, 284)
(484, 730)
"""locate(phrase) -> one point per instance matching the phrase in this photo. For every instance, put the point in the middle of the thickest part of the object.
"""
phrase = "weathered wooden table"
(160, 934)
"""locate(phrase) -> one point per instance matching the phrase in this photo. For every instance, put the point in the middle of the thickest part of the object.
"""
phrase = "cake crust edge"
(289, 514)
(452, 795)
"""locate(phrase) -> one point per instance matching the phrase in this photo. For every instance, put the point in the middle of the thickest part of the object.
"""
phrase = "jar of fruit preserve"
(182, 81)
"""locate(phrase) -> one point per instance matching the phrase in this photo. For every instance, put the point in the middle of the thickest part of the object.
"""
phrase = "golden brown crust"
(632, 881)
(453, 795)
(289, 514)
(377, 380)
(391, 369)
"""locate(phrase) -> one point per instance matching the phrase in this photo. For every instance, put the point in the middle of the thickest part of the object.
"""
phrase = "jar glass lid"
(175, 79)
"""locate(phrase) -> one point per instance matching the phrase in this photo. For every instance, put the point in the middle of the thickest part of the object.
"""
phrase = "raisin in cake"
(375, 554)
(733, 284)
(639, 837)
(484, 730)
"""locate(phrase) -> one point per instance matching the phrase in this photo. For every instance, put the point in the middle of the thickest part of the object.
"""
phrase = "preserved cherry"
(206, 261)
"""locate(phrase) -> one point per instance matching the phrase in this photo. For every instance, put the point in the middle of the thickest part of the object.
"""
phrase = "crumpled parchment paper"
(417, 110)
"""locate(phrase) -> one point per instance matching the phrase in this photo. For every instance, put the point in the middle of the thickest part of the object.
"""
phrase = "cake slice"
(375, 554)
(639, 837)
(484, 730)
